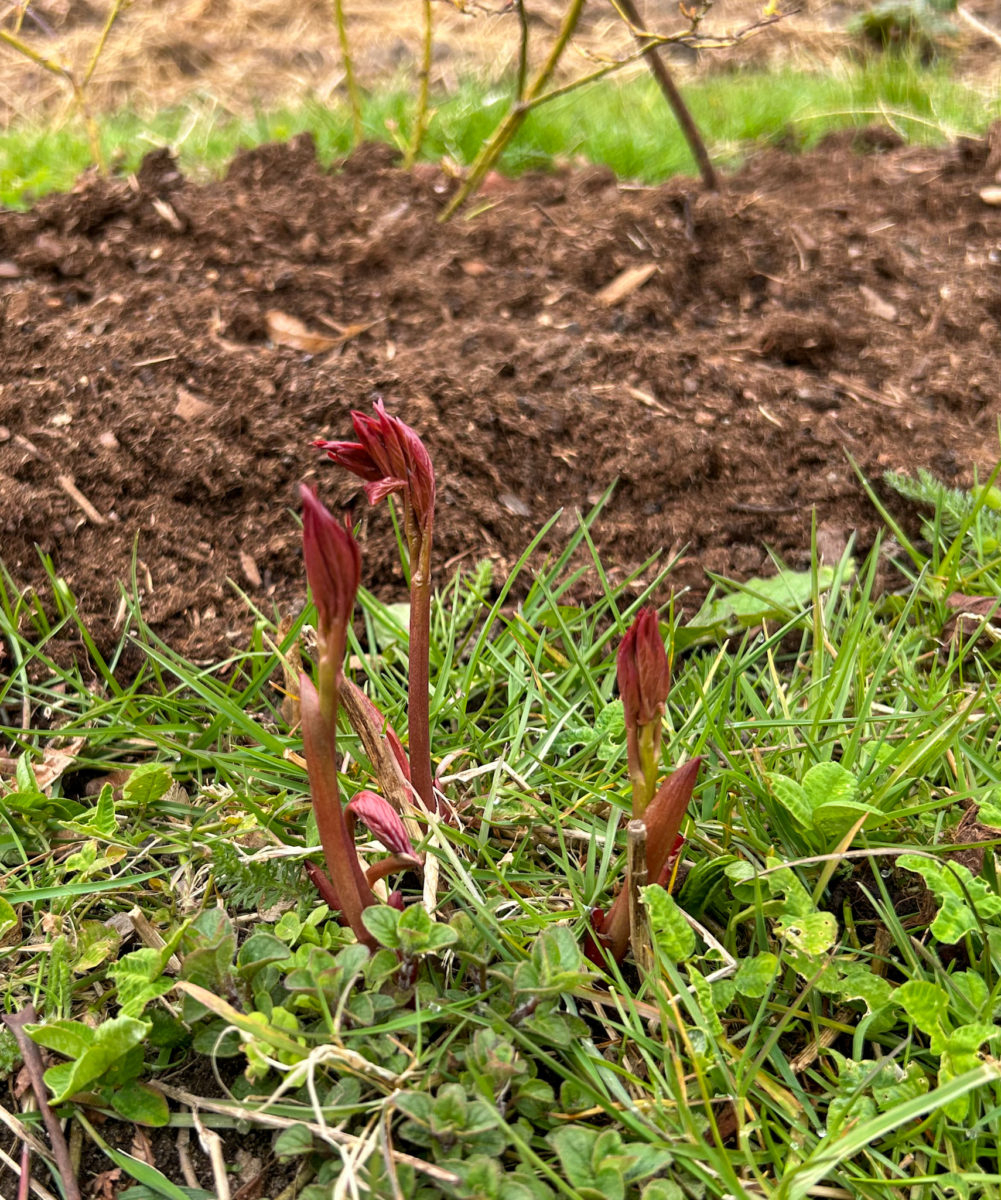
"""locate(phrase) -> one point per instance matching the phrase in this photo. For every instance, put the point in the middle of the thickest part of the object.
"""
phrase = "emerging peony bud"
(382, 819)
(644, 678)
(390, 457)
(644, 675)
(333, 566)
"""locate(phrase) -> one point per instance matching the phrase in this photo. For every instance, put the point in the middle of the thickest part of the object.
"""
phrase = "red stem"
(418, 705)
(319, 743)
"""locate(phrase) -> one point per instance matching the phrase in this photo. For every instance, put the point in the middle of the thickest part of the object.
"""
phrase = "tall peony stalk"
(391, 459)
(333, 567)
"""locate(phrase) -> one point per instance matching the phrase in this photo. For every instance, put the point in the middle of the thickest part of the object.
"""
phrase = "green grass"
(622, 124)
(814, 1018)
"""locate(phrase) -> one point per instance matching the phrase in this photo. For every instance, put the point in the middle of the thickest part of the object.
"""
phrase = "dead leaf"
(54, 763)
(286, 330)
(974, 616)
(102, 1186)
(250, 569)
(346, 332)
(142, 1147)
(513, 504)
(875, 303)
(167, 213)
(190, 407)
(625, 284)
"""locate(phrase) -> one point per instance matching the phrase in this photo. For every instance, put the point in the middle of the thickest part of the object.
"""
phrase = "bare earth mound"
(839, 301)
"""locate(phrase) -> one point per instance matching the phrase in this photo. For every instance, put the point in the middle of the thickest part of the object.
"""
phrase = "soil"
(844, 302)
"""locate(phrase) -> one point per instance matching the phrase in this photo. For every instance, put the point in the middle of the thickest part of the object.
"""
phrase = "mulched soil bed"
(847, 300)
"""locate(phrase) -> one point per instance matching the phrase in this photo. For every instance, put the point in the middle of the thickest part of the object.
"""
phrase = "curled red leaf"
(643, 672)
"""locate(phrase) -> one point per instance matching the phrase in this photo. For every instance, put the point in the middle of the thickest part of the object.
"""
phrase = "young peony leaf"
(382, 820)
(754, 975)
(642, 671)
(792, 797)
(140, 1104)
(925, 1003)
(381, 921)
(673, 935)
(828, 782)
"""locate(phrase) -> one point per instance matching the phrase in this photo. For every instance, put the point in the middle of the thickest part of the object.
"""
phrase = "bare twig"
(212, 1145)
(516, 114)
(354, 97)
(78, 85)
(66, 482)
(665, 82)
(980, 26)
(423, 87)
(16, 1022)
(26, 1183)
(113, 13)
(522, 49)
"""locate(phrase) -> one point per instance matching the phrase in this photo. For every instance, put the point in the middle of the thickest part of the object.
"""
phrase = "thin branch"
(354, 97)
(16, 1022)
(424, 88)
(672, 95)
(516, 115)
(522, 49)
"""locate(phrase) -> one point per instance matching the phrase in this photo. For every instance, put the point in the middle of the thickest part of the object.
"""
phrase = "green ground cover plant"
(808, 1002)
(617, 123)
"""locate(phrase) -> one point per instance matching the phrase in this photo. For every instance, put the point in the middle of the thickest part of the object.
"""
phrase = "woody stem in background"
(658, 68)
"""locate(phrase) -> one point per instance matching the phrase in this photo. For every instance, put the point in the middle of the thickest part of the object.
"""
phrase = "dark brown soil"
(849, 300)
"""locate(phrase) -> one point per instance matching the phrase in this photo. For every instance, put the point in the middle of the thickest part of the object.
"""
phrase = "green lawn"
(623, 124)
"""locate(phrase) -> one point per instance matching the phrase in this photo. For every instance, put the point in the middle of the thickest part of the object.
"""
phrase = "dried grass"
(247, 54)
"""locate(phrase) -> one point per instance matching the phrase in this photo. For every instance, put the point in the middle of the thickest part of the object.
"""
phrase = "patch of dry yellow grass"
(243, 55)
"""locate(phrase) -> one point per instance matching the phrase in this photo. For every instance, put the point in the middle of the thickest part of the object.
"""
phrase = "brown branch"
(672, 95)
(16, 1022)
